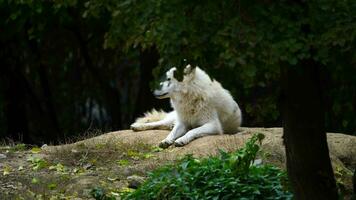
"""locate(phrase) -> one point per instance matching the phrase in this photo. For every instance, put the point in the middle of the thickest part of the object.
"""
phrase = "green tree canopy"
(246, 42)
(86, 53)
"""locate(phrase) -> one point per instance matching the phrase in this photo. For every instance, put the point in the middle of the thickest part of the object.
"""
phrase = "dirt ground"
(71, 171)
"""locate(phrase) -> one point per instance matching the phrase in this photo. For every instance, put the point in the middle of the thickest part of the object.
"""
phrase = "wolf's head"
(172, 84)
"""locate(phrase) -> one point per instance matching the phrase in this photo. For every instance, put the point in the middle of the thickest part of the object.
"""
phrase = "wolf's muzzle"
(159, 94)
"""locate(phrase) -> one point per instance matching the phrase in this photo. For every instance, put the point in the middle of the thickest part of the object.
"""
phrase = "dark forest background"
(71, 66)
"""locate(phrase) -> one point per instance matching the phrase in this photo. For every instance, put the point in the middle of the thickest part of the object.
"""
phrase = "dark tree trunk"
(50, 109)
(145, 100)
(111, 94)
(50, 129)
(15, 106)
(308, 162)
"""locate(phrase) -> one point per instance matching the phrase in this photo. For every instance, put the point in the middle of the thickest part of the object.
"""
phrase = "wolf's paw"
(180, 142)
(165, 144)
(138, 127)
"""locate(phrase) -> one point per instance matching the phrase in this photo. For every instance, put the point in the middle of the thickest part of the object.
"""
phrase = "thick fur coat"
(201, 107)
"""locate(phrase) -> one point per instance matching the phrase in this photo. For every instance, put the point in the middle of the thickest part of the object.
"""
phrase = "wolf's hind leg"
(210, 128)
(164, 124)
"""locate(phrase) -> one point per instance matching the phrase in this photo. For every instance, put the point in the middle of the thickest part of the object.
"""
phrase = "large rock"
(341, 147)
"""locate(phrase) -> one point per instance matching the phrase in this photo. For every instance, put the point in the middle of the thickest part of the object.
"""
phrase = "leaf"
(37, 163)
(115, 13)
(75, 170)
(36, 150)
(112, 179)
(126, 189)
(156, 149)
(52, 186)
(293, 61)
(115, 194)
(184, 165)
(34, 180)
(251, 71)
(123, 162)
(148, 155)
(59, 167)
(7, 170)
(133, 154)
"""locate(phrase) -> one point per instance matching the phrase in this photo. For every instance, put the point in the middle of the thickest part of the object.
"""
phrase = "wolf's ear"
(178, 74)
(189, 69)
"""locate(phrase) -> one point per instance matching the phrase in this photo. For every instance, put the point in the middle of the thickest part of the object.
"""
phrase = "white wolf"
(201, 107)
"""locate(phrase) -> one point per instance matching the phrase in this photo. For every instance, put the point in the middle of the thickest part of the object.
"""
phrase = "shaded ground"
(71, 171)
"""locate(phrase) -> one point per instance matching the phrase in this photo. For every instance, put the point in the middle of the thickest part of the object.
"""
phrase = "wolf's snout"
(159, 94)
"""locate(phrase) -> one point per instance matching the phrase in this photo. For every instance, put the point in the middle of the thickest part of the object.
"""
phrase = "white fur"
(201, 107)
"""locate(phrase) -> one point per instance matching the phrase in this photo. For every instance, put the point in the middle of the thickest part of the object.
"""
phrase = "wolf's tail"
(151, 116)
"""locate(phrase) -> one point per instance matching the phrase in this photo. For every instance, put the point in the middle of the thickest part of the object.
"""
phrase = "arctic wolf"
(201, 107)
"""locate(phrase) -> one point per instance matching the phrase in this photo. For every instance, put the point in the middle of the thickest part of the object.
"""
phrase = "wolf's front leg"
(210, 128)
(178, 130)
(166, 123)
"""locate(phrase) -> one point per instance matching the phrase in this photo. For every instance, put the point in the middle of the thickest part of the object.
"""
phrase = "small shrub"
(228, 176)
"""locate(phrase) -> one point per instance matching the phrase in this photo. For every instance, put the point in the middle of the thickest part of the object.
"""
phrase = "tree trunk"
(53, 123)
(308, 162)
(15, 107)
(112, 95)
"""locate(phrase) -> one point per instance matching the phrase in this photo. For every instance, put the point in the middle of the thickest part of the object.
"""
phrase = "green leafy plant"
(228, 176)
(37, 163)
(18, 147)
(58, 168)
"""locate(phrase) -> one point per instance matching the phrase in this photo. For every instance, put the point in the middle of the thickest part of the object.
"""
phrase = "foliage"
(77, 65)
(37, 163)
(229, 176)
(18, 147)
(247, 41)
(54, 59)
